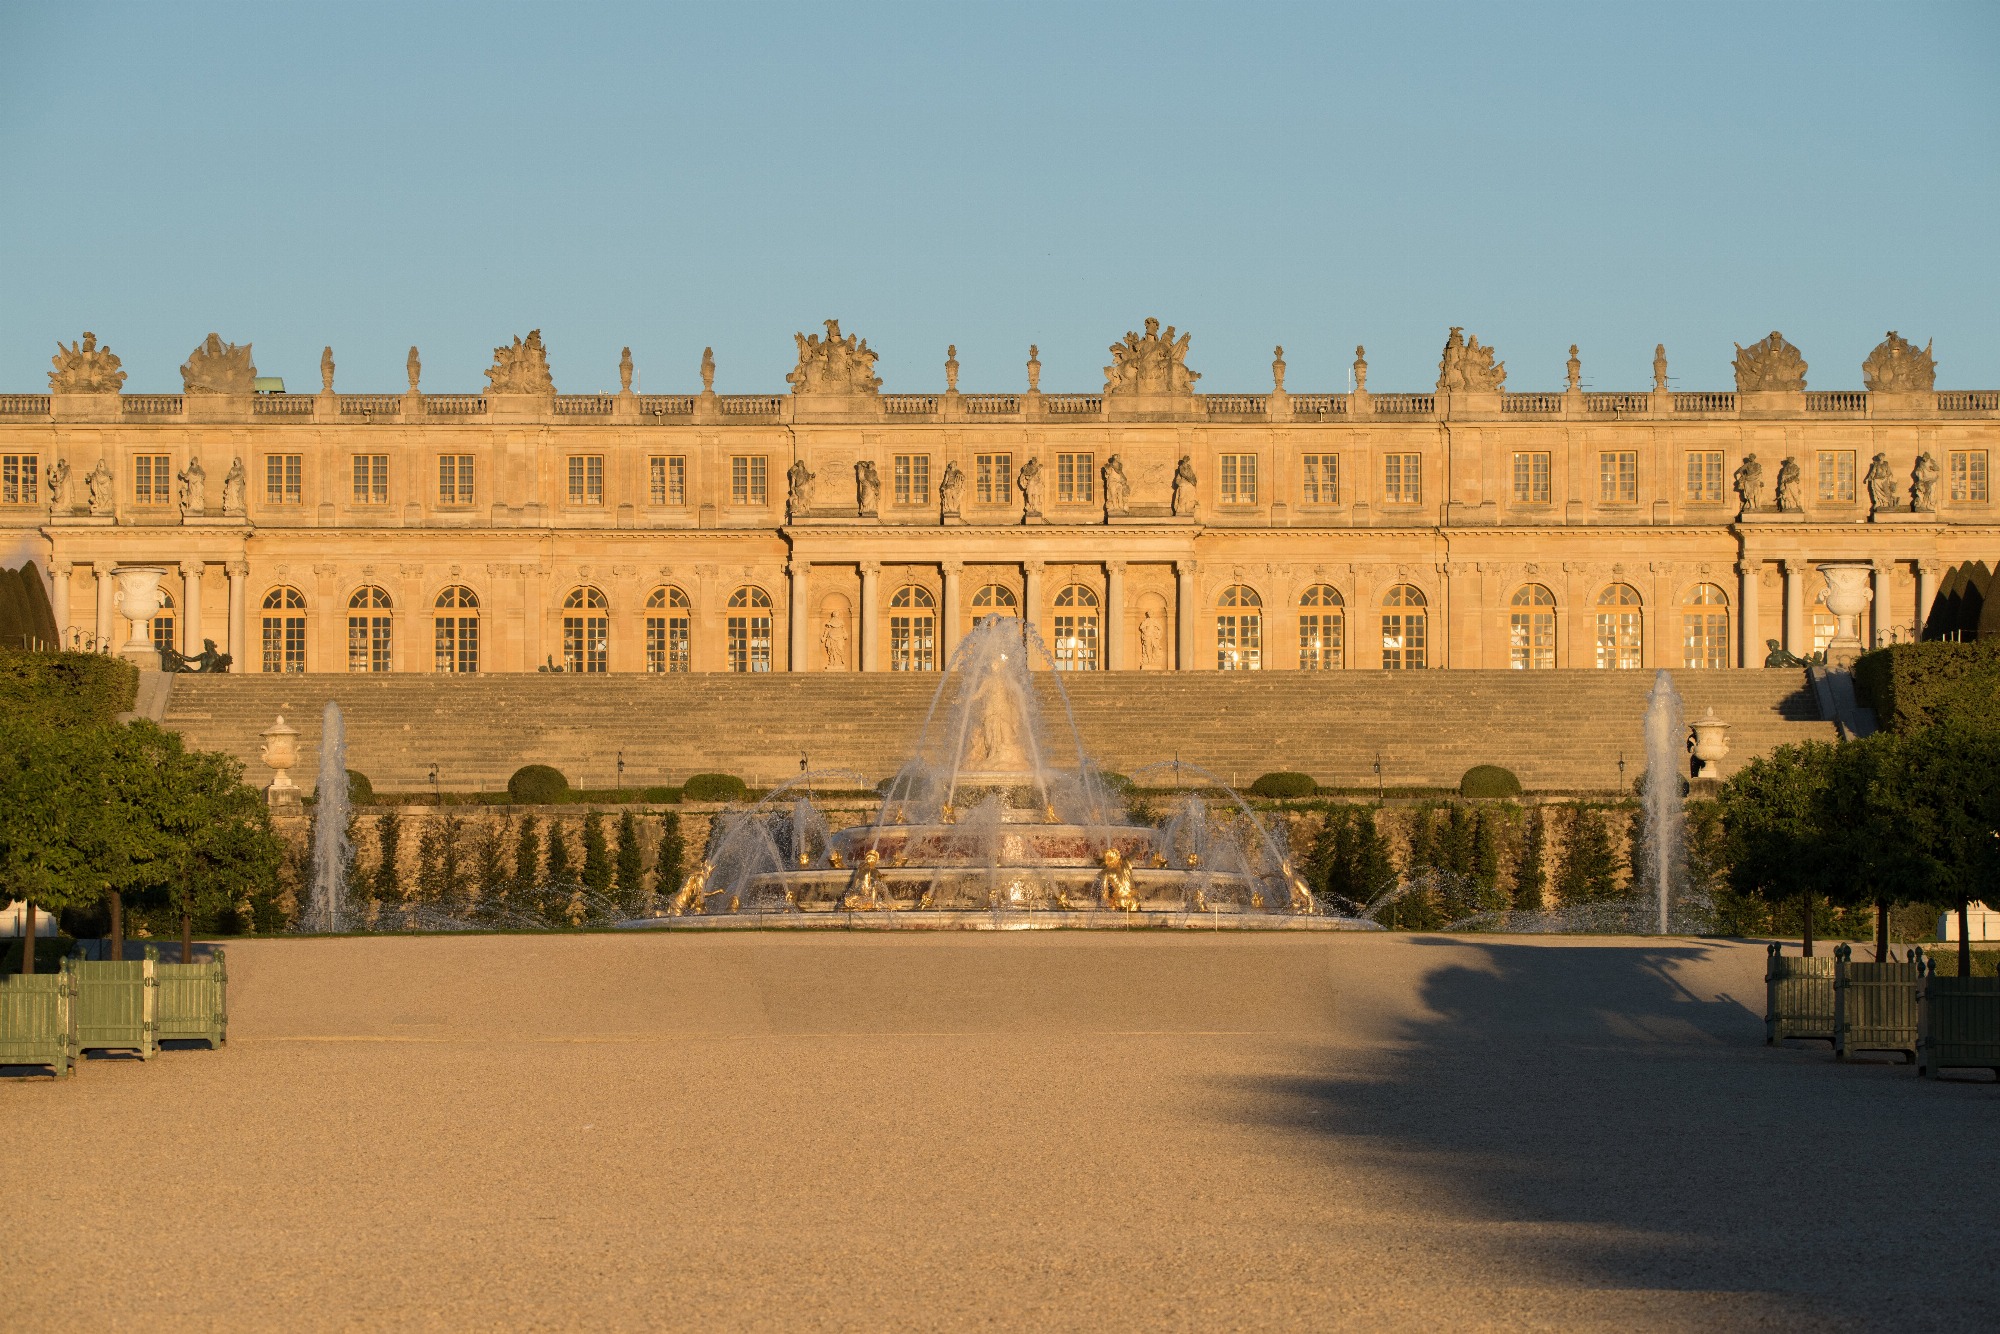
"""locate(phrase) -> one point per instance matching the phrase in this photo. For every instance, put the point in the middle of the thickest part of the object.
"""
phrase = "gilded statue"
(1881, 480)
(233, 483)
(1894, 367)
(693, 893)
(1468, 367)
(521, 367)
(1150, 364)
(217, 367)
(1117, 489)
(799, 481)
(1114, 883)
(1791, 488)
(1298, 898)
(867, 488)
(1749, 480)
(835, 364)
(1029, 479)
(85, 368)
(1923, 484)
(99, 485)
(951, 490)
(1184, 487)
(865, 890)
(1770, 365)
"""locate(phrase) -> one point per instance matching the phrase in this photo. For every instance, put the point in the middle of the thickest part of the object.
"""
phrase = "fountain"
(326, 909)
(1666, 748)
(999, 820)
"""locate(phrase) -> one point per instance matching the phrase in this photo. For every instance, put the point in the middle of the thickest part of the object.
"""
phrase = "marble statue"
(413, 366)
(521, 367)
(1881, 480)
(951, 490)
(1152, 643)
(1184, 487)
(85, 369)
(1029, 479)
(625, 370)
(835, 364)
(1117, 489)
(799, 480)
(193, 488)
(1923, 484)
(867, 488)
(1894, 367)
(1150, 364)
(1034, 369)
(1659, 368)
(232, 489)
(951, 369)
(1467, 367)
(833, 643)
(1114, 883)
(217, 367)
(1360, 368)
(1749, 480)
(1769, 365)
(1278, 369)
(99, 485)
(62, 497)
(708, 370)
(326, 370)
(1791, 488)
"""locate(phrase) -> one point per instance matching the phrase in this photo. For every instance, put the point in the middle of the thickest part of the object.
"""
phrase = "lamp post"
(437, 794)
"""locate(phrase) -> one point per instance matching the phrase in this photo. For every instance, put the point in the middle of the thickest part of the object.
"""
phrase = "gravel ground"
(1005, 1131)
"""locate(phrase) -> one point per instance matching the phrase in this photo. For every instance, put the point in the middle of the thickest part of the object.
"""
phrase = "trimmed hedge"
(714, 787)
(1285, 784)
(1489, 780)
(1919, 685)
(537, 785)
(66, 689)
(360, 792)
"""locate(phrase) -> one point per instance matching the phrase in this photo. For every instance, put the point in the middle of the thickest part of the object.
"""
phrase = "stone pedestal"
(1847, 596)
(281, 752)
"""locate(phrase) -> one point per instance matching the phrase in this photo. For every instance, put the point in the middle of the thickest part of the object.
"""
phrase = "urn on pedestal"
(1847, 596)
(280, 753)
(139, 600)
(1709, 744)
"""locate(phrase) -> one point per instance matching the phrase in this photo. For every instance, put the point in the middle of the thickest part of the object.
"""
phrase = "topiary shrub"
(1939, 681)
(714, 787)
(1285, 784)
(360, 792)
(65, 689)
(537, 785)
(1489, 780)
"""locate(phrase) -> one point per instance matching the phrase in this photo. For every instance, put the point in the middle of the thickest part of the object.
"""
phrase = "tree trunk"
(1805, 901)
(28, 936)
(187, 937)
(1964, 937)
(117, 926)
(1881, 931)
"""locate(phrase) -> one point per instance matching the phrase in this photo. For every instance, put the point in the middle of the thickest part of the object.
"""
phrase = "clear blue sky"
(995, 175)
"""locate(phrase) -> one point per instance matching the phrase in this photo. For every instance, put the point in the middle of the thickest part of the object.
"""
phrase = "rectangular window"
(1968, 474)
(371, 479)
(1076, 478)
(913, 479)
(284, 643)
(454, 479)
(1532, 479)
(1836, 474)
(1618, 477)
(1239, 479)
(368, 643)
(586, 479)
(666, 480)
(284, 479)
(1322, 480)
(586, 642)
(749, 643)
(20, 479)
(747, 480)
(667, 643)
(152, 479)
(1704, 477)
(1403, 479)
(995, 478)
(457, 648)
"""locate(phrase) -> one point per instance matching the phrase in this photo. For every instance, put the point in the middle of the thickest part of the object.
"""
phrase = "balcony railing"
(374, 405)
(454, 405)
(24, 405)
(1309, 406)
(151, 405)
(1542, 403)
(910, 405)
(1617, 404)
(282, 405)
(1837, 401)
(751, 405)
(1236, 405)
(583, 405)
(1404, 405)
(1073, 405)
(666, 405)
(1704, 403)
(1969, 400)
(990, 405)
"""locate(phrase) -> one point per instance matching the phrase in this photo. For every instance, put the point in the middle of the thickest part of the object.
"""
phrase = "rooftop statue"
(326, 371)
(217, 367)
(413, 366)
(835, 364)
(1469, 368)
(522, 368)
(86, 369)
(1152, 363)
(1770, 365)
(1894, 367)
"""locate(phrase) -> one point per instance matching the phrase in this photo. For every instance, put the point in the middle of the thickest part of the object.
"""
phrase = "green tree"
(386, 885)
(219, 832)
(1360, 868)
(629, 880)
(1773, 808)
(1950, 812)
(596, 856)
(559, 880)
(1531, 864)
(1587, 870)
(672, 852)
(525, 895)
(54, 811)
(493, 878)
(1486, 851)
(430, 863)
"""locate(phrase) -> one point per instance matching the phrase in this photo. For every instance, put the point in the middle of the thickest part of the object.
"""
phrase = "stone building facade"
(1147, 527)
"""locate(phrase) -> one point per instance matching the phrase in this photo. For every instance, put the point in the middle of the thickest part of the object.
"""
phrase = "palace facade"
(1148, 527)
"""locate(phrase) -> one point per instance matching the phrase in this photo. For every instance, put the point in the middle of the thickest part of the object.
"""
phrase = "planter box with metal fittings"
(38, 1020)
(194, 1001)
(1874, 1005)
(1958, 1022)
(117, 1005)
(1798, 997)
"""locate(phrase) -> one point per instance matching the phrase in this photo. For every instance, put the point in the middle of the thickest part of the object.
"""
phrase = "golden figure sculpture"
(693, 892)
(1114, 883)
(864, 886)
(946, 815)
(1049, 815)
(1159, 860)
(1299, 899)
(833, 860)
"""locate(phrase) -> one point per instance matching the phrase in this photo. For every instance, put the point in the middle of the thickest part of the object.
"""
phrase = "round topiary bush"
(1285, 784)
(360, 792)
(714, 787)
(1489, 780)
(537, 785)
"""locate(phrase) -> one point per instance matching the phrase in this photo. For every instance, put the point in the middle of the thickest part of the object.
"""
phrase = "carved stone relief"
(835, 364)
(1468, 367)
(1770, 365)
(217, 367)
(1894, 367)
(521, 367)
(1152, 363)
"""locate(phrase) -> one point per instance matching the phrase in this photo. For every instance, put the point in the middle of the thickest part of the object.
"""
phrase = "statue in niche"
(232, 489)
(799, 481)
(326, 370)
(1184, 487)
(85, 369)
(1029, 479)
(217, 367)
(1881, 481)
(867, 488)
(1117, 489)
(625, 371)
(951, 490)
(193, 481)
(1152, 643)
(1894, 367)
(1923, 485)
(521, 367)
(1149, 364)
(1749, 480)
(835, 364)
(99, 485)
(1770, 365)
(62, 498)
(833, 643)
(1034, 369)
(1467, 367)
(413, 366)
(1791, 488)
(1659, 368)
(708, 370)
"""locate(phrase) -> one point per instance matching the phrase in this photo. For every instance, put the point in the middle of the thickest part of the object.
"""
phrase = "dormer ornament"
(1467, 367)
(837, 364)
(1770, 365)
(217, 367)
(1151, 364)
(521, 368)
(1894, 367)
(85, 369)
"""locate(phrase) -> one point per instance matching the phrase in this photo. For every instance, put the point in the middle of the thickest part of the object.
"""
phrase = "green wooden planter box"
(117, 1005)
(194, 1001)
(1798, 997)
(1874, 1005)
(1958, 1022)
(38, 1020)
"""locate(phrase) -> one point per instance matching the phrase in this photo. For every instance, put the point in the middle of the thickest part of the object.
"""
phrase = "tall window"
(152, 479)
(1824, 623)
(164, 624)
(1076, 478)
(284, 631)
(457, 630)
(669, 625)
(1403, 479)
(454, 479)
(284, 479)
(1620, 628)
(586, 631)
(1322, 629)
(1618, 477)
(368, 630)
(586, 479)
(1968, 474)
(911, 474)
(371, 479)
(994, 478)
(1405, 629)
(1239, 479)
(1322, 479)
(1076, 629)
(1836, 474)
(20, 479)
(912, 630)
(746, 480)
(1704, 477)
(1532, 480)
(749, 625)
(1531, 628)
(666, 480)
(1239, 630)
(1705, 627)
(994, 600)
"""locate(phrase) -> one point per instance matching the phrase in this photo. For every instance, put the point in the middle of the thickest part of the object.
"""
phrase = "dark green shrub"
(65, 689)
(1285, 785)
(1489, 780)
(360, 792)
(659, 794)
(537, 785)
(714, 787)
(1916, 685)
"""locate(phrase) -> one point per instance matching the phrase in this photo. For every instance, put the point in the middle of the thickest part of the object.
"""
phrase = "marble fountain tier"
(998, 821)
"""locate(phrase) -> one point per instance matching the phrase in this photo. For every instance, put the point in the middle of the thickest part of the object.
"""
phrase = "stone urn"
(139, 601)
(1847, 596)
(281, 752)
(1709, 744)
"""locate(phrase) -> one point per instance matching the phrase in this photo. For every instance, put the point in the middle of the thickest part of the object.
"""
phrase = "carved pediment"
(1894, 367)
(1770, 365)
(1467, 367)
(85, 369)
(1152, 363)
(217, 367)
(836, 364)
(521, 368)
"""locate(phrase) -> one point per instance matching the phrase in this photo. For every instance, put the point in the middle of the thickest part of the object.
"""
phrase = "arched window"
(1705, 627)
(284, 631)
(994, 600)
(1531, 629)
(1825, 625)
(164, 624)
(1405, 629)
(749, 624)
(1322, 628)
(368, 629)
(669, 630)
(912, 630)
(1239, 630)
(1076, 629)
(586, 631)
(456, 634)
(1620, 629)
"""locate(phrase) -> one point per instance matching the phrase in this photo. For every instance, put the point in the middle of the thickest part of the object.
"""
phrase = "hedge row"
(66, 689)
(1918, 685)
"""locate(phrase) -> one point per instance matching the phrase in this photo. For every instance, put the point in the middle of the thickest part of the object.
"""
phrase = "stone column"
(239, 608)
(871, 615)
(1796, 639)
(1752, 654)
(1879, 615)
(801, 576)
(59, 572)
(1114, 615)
(948, 615)
(1926, 590)
(1031, 597)
(191, 607)
(1184, 615)
(105, 592)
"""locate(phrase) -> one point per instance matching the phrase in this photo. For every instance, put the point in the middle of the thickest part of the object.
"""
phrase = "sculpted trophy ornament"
(193, 481)
(1894, 367)
(951, 490)
(1923, 485)
(1659, 368)
(1791, 488)
(1029, 479)
(1184, 488)
(1881, 480)
(325, 373)
(1770, 365)
(62, 491)
(1278, 369)
(835, 364)
(799, 481)
(1749, 480)
(85, 368)
(1149, 365)
(708, 370)
(232, 489)
(1467, 367)
(867, 488)
(413, 366)
(99, 485)
(521, 367)
(1574, 371)
(625, 370)
(217, 367)
(1117, 489)
(1360, 369)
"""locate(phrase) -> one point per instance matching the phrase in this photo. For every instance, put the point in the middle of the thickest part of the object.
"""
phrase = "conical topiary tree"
(628, 881)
